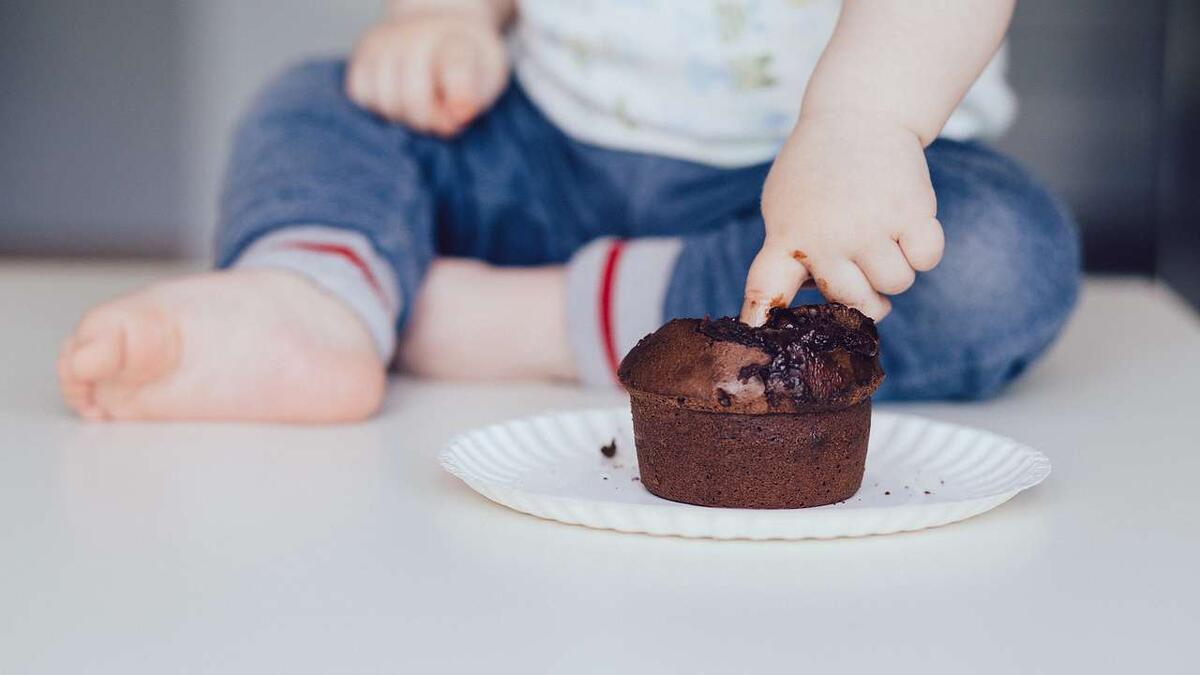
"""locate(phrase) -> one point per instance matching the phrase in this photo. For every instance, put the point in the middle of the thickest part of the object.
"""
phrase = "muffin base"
(772, 461)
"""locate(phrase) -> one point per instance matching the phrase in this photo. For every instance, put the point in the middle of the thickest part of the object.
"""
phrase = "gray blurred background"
(115, 117)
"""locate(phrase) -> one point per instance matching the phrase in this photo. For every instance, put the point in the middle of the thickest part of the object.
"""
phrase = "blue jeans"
(514, 190)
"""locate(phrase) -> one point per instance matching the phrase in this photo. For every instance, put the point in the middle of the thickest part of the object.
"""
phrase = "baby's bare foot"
(256, 345)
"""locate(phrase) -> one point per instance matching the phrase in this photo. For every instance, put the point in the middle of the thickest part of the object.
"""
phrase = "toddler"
(648, 159)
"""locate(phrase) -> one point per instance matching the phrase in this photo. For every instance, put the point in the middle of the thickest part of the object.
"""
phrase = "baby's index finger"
(773, 280)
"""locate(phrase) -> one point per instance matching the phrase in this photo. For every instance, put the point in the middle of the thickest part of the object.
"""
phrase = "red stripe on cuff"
(346, 253)
(607, 283)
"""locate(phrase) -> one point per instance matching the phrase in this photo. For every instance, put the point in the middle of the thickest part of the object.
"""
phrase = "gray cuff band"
(298, 249)
(637, 289)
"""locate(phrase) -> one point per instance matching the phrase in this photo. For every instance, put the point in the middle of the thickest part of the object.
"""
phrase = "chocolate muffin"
(775, 417)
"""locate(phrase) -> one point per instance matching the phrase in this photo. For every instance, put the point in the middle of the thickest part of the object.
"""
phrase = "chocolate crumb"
(609, 450)
(887, 492)
(636, 479)
(723, 398)
(604, 477)
(928, 492)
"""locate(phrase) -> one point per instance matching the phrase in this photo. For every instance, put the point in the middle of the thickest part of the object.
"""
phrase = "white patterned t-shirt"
(712, 81)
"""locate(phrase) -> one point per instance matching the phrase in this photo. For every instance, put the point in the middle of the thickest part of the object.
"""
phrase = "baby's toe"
(151, 347)
(116, 350)
(97, 358)
(74, 392)
(77, 394)
(128, 345)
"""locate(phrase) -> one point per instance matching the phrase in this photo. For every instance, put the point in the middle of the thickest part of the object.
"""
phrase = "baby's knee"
(1007, 284)
(1015, 251)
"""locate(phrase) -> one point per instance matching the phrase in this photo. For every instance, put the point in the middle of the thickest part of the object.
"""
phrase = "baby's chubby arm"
(848, 200)
(433, 65)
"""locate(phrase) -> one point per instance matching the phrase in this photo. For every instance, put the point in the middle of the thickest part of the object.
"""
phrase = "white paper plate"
(920, 474)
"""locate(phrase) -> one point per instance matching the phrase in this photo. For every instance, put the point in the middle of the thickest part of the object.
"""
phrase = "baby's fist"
(434, 71)
(848, 203)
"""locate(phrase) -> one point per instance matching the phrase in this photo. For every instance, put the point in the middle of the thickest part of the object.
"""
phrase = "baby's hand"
(433, 70)
(848, 202)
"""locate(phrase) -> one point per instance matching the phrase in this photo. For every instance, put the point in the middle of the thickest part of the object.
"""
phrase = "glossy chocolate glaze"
(803, 344)
(805, 359)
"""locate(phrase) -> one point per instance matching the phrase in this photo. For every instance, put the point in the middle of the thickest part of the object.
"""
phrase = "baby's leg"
(475, 321)
(301, 327)
(1001, 294)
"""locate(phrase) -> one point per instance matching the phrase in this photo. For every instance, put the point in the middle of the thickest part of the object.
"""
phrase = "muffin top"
(803, 359)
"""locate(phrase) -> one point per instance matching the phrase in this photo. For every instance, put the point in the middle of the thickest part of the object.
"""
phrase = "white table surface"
(171, 548)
